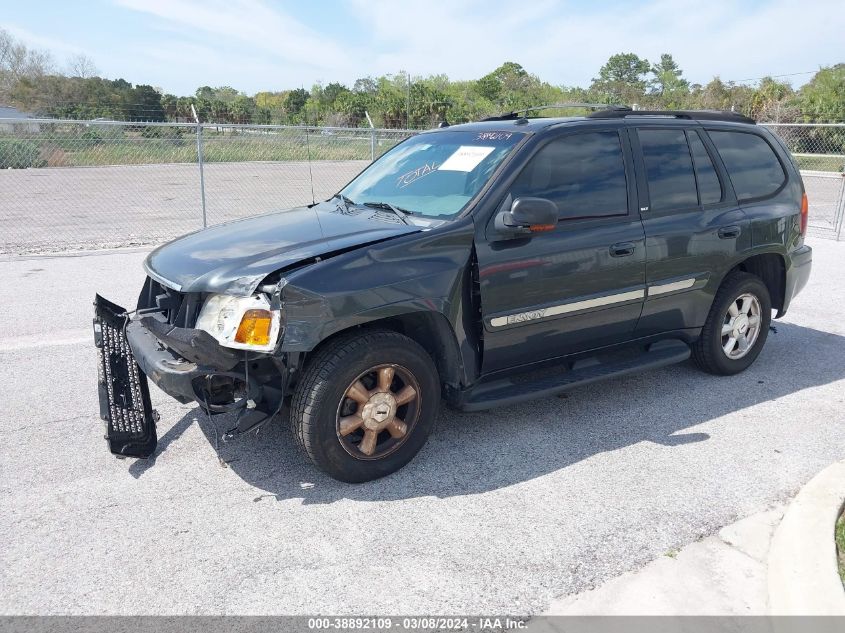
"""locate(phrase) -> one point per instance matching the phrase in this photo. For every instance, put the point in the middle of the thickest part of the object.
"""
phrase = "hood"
(233, 258)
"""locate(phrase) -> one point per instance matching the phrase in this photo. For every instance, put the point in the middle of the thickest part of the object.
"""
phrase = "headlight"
(241, 322)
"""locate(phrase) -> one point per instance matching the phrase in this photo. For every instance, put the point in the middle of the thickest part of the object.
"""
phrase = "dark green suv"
(481, 264)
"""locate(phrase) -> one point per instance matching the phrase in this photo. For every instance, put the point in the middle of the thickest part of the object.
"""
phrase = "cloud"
(566, 43)
(34, 40)
(255, 25)
(189, 64)
(256, 45)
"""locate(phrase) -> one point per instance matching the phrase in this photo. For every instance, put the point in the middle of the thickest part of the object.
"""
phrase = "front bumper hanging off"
(186, 364)
(122, 386)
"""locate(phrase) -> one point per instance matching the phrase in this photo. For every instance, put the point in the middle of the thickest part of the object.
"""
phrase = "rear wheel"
(365, 405)
(737, 326)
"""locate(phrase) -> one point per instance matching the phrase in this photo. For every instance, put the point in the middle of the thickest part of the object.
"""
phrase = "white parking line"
(48, 339)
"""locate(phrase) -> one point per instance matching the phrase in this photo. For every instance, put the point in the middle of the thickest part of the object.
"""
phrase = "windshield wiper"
(346, 202)
(401, 213)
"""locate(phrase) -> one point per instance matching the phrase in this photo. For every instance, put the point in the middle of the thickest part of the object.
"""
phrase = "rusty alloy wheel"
(378, 411)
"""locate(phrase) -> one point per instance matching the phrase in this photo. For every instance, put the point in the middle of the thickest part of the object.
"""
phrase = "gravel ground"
(500, 512)
(67, 208)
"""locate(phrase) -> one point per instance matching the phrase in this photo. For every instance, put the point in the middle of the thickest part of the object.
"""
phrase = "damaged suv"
(481, 264)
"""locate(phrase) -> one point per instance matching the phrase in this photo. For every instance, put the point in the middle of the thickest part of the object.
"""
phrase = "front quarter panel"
(419, 272)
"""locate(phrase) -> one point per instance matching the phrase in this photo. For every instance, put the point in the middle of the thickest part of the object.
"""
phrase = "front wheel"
(737, 326)
(365, 405)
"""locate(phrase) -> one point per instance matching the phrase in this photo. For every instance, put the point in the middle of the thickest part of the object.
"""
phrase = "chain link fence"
(819, 151)
(68, 185)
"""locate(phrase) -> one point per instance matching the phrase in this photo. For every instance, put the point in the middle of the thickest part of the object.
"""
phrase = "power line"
(806, 72)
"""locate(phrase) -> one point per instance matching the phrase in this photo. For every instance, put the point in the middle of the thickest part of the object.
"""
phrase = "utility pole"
(408, 107)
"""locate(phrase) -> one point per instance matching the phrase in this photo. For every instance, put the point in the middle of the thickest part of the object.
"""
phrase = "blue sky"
(253, 45)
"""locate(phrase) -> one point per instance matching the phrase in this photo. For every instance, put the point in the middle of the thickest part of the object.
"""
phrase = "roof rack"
(696, 115)
(518, 114)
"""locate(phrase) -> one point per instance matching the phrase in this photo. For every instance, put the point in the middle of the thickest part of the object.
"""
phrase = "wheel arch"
(431, 330)
(771, 269)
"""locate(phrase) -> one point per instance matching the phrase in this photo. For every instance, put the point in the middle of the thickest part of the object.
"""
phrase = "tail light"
(805, 213)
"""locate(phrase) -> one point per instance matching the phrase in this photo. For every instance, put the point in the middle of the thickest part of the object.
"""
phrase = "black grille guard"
(122, 387)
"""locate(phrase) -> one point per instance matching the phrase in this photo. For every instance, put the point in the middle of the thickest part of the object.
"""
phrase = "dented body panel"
(233, 258)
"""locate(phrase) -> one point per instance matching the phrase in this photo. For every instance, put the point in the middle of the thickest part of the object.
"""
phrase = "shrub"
(92, 136)
(19, 154)
(171, 135)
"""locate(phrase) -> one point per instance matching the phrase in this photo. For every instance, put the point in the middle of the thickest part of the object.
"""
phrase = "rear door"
(694, 227)
(581, 285)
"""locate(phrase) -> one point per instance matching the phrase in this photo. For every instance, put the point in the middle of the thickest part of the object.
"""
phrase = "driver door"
(577, 287)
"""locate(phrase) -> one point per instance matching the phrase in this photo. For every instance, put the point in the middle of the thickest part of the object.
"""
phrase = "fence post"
(372, 136)
(199, 160)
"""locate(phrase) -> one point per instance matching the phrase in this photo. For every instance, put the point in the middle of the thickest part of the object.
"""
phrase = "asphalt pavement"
(501, 512)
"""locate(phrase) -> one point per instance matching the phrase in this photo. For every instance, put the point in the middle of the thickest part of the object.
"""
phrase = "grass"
(839, 537)
(215, 150)
(91, 146)
(226, 148)
(96, 147)
(821, 163)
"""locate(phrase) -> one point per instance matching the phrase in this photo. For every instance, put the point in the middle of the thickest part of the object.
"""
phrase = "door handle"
(622, 249)
(729, 232)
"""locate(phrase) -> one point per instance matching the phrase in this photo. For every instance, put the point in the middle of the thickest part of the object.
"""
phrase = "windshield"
(434, 174)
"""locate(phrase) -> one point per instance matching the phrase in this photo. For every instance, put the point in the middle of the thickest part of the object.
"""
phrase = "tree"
(331, 93)
(270, 107)
(295, 101)
(390, 102)
(17, 62)
(823, 97)
(501, 84)
(352, 106)
(80, 65)
(242, 109)
(718, 95)
(204, 92)
(29, 81)
(622, 78)
(144, 104)
(772, 101)
(489, 87)
(667, 77)
(365, 85)
(170, 105)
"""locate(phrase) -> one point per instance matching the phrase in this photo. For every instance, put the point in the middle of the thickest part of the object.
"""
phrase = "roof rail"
(696, 115)
(517, 114)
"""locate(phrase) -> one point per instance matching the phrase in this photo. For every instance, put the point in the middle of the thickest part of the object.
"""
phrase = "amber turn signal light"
(255, 328)
(805, 213)
(540, 228)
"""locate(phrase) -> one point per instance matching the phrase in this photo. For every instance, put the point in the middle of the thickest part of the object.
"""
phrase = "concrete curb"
(803, 577)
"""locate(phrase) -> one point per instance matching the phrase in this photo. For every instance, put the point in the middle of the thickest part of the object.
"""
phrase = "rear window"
(752, 164)
(709, 188)
(668, 164)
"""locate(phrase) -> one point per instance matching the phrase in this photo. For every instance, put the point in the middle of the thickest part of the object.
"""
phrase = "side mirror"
(526, 216)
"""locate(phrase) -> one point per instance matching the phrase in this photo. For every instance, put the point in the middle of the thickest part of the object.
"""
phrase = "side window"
(752, 164)
(668, 165)
(583, 174)
(709, 188)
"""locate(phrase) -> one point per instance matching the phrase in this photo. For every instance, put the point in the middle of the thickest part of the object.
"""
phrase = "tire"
(340, 403)
(710, 352)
